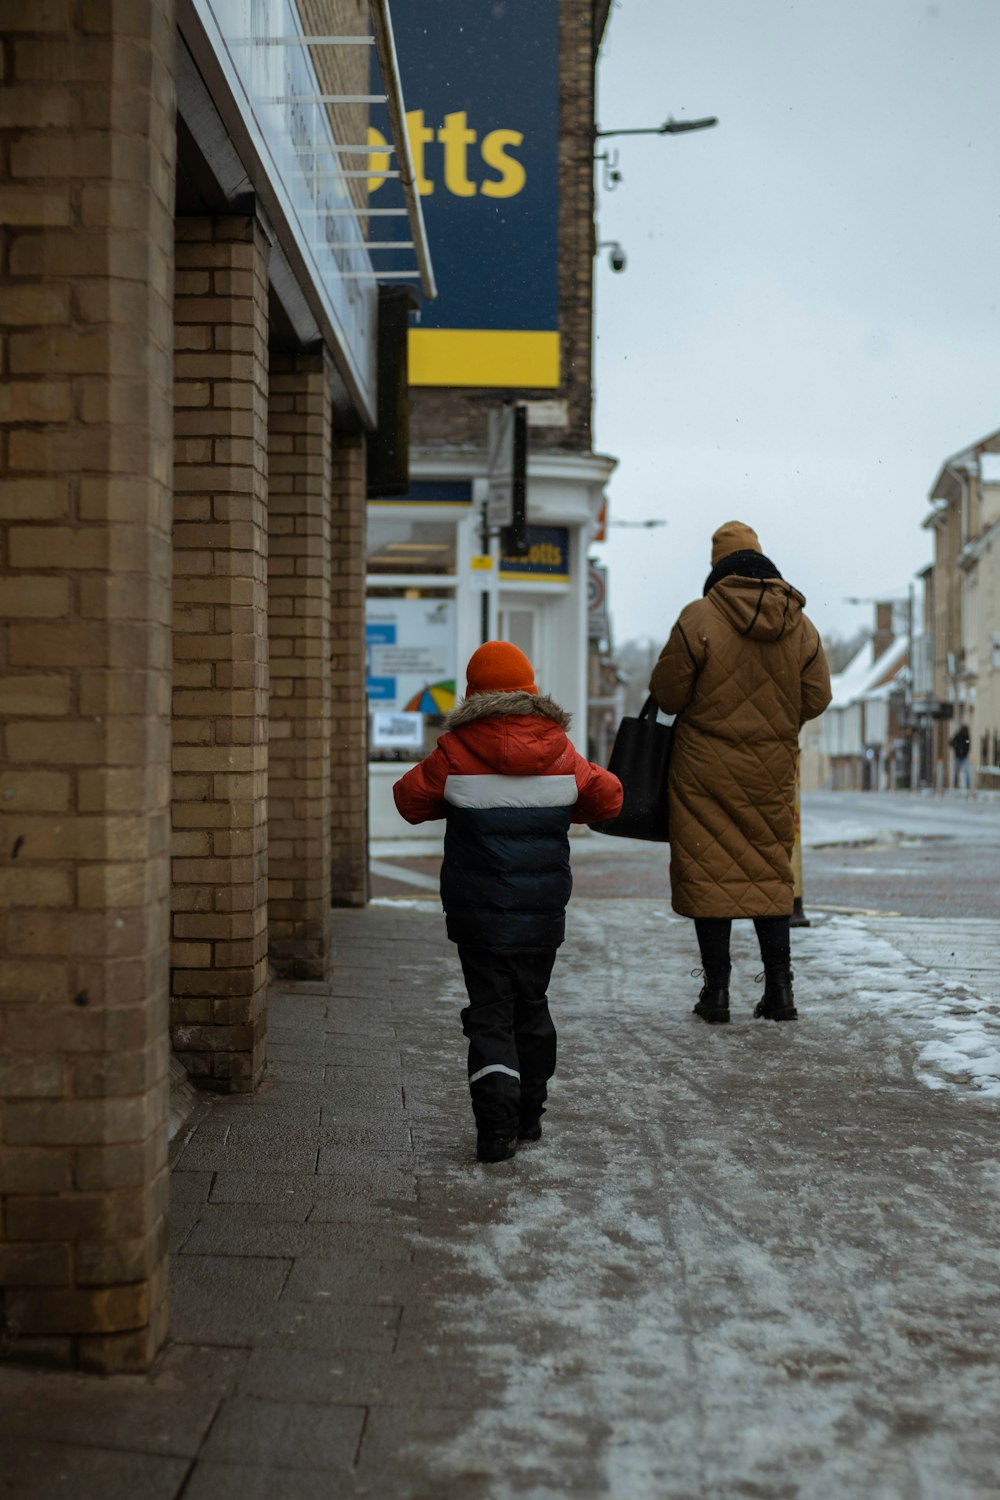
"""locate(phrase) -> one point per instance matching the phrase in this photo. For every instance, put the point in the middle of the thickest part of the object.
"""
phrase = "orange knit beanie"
(734, 536)
(499, 667)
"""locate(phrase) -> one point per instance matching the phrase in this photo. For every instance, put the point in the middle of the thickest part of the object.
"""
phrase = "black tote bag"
(640, 758)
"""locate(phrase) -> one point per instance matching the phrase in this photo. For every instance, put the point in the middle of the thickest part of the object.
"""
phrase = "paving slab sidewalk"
(743, 1261)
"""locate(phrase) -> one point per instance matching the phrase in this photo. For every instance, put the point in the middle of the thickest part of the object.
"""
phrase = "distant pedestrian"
(509, 783)
(744, 669)
(961, 744)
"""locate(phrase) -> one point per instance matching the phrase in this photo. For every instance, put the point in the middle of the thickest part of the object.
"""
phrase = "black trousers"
(713, 941)
(512, 1041)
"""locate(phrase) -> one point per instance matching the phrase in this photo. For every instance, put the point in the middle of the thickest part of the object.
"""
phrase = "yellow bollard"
(799, 918)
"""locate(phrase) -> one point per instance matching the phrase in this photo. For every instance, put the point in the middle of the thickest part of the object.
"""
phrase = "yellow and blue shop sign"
(482, 83)
(545, 557)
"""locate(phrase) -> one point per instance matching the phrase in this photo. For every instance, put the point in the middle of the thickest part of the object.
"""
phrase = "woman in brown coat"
(743, 669)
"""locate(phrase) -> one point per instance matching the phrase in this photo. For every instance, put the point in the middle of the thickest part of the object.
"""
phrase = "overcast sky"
(809, 320)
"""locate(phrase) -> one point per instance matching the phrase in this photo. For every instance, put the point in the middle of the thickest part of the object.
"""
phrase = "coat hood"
(492, 705)
(763, 609)
(515, 734)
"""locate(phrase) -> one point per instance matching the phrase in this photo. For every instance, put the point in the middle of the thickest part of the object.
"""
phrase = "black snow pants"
(512, 1041)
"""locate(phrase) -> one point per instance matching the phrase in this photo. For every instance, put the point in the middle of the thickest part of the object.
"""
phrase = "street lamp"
(639, 523)
(670, 126)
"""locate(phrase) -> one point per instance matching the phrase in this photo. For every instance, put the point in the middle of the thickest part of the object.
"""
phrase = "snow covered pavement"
(747, 1261)
(939, 979)
(743, 1261)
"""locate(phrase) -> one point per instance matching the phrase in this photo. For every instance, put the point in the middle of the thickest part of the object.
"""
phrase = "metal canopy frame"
(383, 40)
(218, 110)
(385, 51)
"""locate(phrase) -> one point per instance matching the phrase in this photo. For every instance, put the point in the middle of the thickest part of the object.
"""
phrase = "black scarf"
(747, 564)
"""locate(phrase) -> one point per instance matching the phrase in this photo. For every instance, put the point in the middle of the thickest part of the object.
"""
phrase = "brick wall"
(442, 417)
(299, 563)
(349, 732)
(219, 954)
(86, 178)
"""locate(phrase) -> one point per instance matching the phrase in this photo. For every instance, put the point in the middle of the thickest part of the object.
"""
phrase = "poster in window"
(411, 654)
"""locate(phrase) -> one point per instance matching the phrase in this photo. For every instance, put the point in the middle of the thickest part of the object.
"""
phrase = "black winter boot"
(491, 1147)
(713, 1002)
(529, 1125)
(778, 1003)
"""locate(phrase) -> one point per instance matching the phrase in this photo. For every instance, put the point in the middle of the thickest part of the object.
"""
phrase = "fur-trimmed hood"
(506, 705)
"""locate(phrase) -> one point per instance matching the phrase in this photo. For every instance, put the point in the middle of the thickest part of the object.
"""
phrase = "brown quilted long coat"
(744, 669)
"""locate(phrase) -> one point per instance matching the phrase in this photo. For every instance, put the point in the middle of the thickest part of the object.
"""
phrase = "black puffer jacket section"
(509, 783)
(506, 876)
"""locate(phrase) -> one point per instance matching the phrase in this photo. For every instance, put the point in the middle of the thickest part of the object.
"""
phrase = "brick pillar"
(219, 955)
(300, 415)
(349, 740)
(86, 189)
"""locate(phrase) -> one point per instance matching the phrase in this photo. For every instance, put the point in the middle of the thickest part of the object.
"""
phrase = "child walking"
(509, 783)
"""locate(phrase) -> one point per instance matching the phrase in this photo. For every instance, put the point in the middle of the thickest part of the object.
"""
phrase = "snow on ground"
(595, 1356)
(725, 1224)
(407, 904)
(823, 832)
(968, 1053)
(849, 954)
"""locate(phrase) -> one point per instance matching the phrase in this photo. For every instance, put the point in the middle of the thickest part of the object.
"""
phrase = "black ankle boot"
(713, 1002)
(778, 1003)
(493, 1147)
(529, 1123)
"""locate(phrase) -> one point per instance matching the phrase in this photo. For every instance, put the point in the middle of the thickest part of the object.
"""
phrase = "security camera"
(616, 258)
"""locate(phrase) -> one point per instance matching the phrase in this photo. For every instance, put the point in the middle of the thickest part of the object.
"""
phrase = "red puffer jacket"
(509, 783)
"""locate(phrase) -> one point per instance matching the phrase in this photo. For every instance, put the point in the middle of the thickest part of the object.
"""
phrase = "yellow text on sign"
(455, 137)
(540, 555)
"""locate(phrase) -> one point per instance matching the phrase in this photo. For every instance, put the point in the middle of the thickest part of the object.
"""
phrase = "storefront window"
(410, 628)
(400, 545)
(410, 635)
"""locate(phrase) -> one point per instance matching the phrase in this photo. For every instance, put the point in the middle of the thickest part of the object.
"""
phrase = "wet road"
(925, 880)
(915, 855)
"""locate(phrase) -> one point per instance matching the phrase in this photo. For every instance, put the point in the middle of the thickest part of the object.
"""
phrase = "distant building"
(964, 623)
(861, 736)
